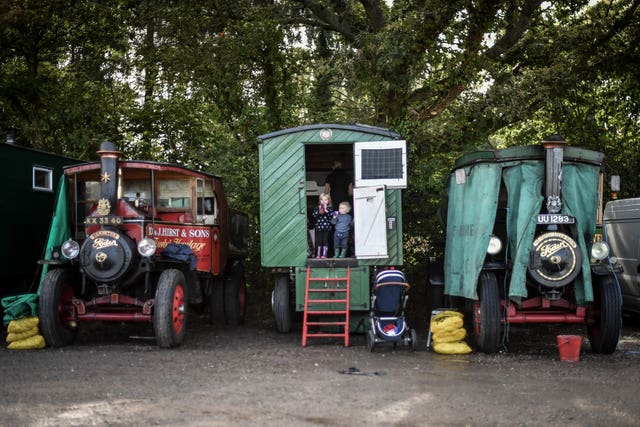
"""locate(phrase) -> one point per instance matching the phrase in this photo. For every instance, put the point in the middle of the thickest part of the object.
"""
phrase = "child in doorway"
(342, 222)
(322, 215)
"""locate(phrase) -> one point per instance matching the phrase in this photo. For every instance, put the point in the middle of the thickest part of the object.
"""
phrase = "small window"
(42, 179)
(381, 163)
(174, 194)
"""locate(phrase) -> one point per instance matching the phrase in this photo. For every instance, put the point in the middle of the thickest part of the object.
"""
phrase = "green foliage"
(195, 83)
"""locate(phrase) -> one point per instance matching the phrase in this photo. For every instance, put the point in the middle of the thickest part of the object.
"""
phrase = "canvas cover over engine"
(474, 190)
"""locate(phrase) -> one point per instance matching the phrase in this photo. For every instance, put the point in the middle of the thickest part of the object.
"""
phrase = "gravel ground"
(115, 375)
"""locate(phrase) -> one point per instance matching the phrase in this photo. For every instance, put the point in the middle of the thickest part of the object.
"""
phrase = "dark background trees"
(196, 82)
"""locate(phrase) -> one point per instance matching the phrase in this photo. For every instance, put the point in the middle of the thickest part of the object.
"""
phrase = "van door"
(370, 230)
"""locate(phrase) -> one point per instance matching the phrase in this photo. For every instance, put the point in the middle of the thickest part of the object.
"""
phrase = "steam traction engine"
(147, 239)
(521, 243)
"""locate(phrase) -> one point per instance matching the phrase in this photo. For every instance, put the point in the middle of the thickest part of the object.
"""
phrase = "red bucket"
(569, 347)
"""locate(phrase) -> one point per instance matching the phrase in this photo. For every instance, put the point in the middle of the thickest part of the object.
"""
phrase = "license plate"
(555, 219)
(103, 220)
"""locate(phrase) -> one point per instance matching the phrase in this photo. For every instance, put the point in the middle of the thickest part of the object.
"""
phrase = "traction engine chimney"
(554, 151)
(109, 156)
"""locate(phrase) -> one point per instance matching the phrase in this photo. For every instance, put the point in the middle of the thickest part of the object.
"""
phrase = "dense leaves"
(196, 82)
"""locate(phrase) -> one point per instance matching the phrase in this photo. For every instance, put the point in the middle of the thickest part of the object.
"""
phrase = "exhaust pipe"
(109, 156)
(554, 151)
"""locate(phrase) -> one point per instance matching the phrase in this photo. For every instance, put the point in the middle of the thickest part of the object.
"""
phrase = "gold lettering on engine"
(550, 249)
(100, 243)
(107, 233)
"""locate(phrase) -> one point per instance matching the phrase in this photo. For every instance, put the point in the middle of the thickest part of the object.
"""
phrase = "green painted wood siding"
(283, 217)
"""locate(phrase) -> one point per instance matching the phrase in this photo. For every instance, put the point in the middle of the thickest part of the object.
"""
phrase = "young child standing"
(342, 222)
(322, 215)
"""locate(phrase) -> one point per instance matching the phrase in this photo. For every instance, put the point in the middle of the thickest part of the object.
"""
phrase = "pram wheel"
(371, 341)
(414, 340)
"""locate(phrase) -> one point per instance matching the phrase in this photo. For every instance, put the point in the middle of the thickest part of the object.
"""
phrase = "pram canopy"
(389, 290)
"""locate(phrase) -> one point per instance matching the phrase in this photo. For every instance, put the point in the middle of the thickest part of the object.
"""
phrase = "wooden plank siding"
(283, 211)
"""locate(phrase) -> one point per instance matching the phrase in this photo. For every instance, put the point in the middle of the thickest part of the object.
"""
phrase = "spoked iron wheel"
(170, 312)
(486, 314)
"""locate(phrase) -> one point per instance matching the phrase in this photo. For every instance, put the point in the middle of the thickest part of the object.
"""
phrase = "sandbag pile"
(448, 333)
(23, 334)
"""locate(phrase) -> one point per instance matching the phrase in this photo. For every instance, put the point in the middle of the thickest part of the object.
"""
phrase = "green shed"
(30, 180)
(294, 164)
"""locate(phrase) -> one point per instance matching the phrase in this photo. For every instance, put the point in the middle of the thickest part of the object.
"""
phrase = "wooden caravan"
(294, 164)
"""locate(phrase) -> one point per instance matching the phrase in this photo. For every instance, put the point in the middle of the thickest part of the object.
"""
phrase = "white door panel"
(370, 222)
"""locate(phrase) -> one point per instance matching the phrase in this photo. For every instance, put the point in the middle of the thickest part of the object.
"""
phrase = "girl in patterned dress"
(323, 213)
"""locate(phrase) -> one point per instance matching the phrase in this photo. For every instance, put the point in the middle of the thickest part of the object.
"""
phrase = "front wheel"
(486, 314)
(371, 340)
(280, 303)
(605, 316)
(56, 308)
(170, 312)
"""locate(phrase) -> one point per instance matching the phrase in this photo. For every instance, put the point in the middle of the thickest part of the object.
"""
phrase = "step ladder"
(330, 299)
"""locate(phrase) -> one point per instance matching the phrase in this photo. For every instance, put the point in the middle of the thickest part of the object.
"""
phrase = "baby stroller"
(388, 301)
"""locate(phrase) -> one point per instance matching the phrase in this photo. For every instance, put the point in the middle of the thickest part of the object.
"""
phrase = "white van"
(622, 228)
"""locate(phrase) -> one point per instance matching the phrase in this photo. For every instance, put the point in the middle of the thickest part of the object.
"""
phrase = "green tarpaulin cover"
(473, 202)
(59, 231)
(19, 306)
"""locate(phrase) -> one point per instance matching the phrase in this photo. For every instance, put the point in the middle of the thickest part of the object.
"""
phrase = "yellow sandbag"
(17, 336)
(34, 342)
(459, 347)
(449, 336)
(23, 325)
(447, 313)
(446, 324)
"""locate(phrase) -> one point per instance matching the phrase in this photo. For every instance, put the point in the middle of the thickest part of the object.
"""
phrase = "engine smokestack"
(554, 151)
(109, 156)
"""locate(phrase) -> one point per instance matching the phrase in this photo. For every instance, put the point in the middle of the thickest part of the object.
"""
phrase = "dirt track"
(116, 375)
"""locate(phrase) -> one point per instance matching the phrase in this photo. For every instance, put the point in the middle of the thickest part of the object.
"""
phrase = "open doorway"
(319, 160)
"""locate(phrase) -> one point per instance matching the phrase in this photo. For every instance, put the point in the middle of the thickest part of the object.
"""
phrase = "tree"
(59, 68)
(195, 83)
(454, 76)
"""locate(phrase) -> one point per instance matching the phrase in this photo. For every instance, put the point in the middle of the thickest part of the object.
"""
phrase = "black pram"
(388, 301)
